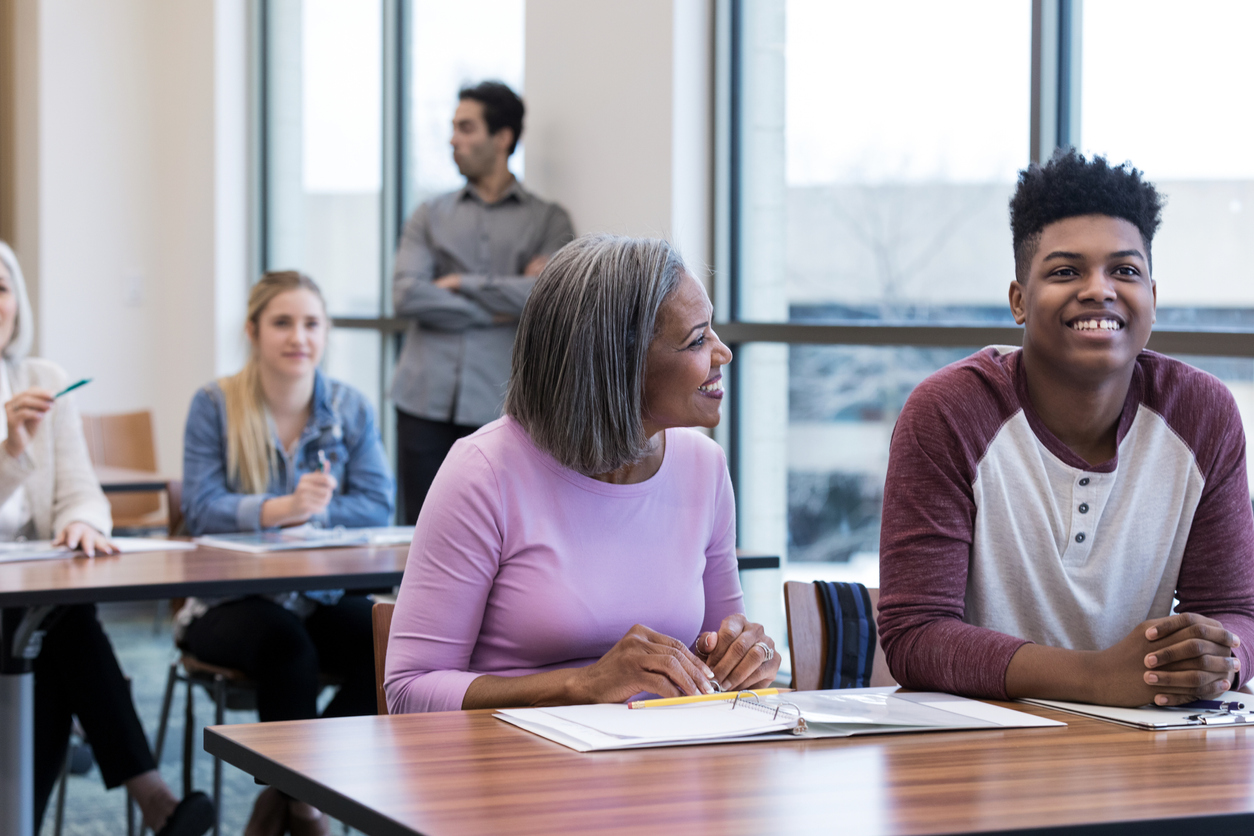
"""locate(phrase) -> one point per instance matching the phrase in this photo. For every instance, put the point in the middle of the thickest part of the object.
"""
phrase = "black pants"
(76, 673)
(284, 655)
(421, 448)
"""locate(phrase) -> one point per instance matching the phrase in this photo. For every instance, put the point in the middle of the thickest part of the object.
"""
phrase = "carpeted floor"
(142, 642)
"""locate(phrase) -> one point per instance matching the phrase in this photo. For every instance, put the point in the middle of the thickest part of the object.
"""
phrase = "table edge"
(297, 784)
(206, 588)
(337, 805)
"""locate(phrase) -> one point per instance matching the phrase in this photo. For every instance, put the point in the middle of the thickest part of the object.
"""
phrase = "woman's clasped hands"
(740, 655)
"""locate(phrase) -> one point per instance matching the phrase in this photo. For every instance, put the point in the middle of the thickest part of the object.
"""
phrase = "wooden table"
(468, 773)
(29, 589)
(128, 480)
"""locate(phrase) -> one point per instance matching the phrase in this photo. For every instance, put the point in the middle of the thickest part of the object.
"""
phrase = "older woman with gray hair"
(48, 490)
(554, 535)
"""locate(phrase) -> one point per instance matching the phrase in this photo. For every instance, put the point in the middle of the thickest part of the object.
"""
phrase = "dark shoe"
(192, 817)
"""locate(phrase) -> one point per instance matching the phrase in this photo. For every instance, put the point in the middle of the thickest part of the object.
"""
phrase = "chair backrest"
(125, 440)
(381, 616)
(807, 637)
(174, 498)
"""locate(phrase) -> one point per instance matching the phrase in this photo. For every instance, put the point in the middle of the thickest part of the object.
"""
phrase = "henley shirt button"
(1084, 507)
(1079, 538)
(1084, 481)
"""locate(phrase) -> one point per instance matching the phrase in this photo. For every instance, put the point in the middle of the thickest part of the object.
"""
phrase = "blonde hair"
(250, 453)
(24, 325)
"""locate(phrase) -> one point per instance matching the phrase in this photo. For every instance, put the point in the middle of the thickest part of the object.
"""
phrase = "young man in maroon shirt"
(1044, 507)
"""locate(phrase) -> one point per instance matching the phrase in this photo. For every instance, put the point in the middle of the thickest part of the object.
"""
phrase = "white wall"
(135, 220)
(133, 217)
(619, 116)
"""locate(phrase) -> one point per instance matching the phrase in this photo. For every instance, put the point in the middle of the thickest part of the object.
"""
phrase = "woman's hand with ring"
(740, 654)
(644, 660)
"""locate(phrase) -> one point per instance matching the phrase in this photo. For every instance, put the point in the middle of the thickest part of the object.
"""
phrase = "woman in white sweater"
(49, 490)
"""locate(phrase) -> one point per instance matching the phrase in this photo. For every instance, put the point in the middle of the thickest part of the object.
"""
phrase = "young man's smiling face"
(1088, 302)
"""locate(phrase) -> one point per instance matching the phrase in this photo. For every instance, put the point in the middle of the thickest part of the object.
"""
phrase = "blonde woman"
(281, 444)
(47, 488)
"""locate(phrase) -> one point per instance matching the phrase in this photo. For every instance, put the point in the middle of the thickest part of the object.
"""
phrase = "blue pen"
(72, 387)
(1215, 705)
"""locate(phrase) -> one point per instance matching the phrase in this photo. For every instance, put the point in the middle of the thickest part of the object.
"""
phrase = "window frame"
(1055, 122)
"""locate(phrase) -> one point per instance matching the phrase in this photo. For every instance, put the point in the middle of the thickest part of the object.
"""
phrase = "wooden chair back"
(807, 637)
(174, 507)
(381, 616)
(126, 440)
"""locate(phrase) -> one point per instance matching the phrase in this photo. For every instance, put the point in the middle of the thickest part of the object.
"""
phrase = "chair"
(126, 440)
(381, 618)
(228, 688)
(807, 637)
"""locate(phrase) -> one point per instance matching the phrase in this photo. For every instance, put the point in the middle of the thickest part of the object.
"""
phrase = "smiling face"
(290, 334)
(1088, 302)
(683, 385)
(8, 306)
(475, 150)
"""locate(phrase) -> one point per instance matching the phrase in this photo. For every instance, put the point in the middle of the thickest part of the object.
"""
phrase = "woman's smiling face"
(683, 384)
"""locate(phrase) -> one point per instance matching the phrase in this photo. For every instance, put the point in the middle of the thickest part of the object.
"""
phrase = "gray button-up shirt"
(456, 358)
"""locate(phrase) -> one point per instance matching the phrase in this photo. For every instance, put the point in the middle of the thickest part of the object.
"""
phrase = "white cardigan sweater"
(55, 466)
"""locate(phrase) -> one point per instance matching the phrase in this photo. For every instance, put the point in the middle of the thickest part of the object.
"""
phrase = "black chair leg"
(219, 718)
(61, 782)
(189, 732)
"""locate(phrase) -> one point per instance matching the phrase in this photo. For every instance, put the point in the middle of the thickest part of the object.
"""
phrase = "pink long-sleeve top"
(520, 565)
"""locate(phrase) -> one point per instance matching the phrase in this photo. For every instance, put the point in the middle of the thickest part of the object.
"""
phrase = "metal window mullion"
(1055, 95)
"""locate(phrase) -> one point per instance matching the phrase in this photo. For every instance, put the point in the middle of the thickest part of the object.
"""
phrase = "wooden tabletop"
(203, 571)
(469, 773)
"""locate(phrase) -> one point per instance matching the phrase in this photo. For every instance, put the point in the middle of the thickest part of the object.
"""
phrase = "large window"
(357, 102)
(873, 148)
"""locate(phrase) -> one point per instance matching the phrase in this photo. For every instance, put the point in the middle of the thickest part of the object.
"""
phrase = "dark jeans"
(421, 448)
(284, 655)
(76, 673)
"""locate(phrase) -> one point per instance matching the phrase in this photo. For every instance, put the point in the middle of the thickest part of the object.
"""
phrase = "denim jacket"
(342, 426)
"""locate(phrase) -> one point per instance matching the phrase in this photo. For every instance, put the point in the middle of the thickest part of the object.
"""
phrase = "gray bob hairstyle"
(577, 380)
(24, 325)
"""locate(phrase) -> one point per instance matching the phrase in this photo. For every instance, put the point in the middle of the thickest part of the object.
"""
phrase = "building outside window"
(875, 147)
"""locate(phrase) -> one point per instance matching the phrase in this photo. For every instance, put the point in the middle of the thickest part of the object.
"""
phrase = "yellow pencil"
(726, 695)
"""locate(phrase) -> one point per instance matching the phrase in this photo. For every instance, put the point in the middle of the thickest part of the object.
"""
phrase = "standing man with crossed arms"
(466, 263)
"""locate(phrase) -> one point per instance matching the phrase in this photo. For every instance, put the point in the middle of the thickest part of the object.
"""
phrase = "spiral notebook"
(805, 714)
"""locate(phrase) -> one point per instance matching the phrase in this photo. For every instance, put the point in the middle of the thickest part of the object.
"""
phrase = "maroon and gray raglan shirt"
(996, 534)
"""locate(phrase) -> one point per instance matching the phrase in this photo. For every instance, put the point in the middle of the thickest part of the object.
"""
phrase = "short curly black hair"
(1068, 186)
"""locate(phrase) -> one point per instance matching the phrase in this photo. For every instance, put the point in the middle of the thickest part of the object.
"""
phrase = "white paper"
(308, 537)
(133, 545)
(25, 550)
(836, 713)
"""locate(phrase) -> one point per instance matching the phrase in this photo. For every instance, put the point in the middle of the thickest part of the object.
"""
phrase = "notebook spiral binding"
(748, 699)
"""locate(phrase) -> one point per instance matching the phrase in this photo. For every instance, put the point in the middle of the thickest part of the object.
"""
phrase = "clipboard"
(1159, 718)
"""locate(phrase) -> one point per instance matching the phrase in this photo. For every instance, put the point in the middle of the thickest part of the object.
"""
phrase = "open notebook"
(808, 714)
(308, 537)
(1157, 718)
